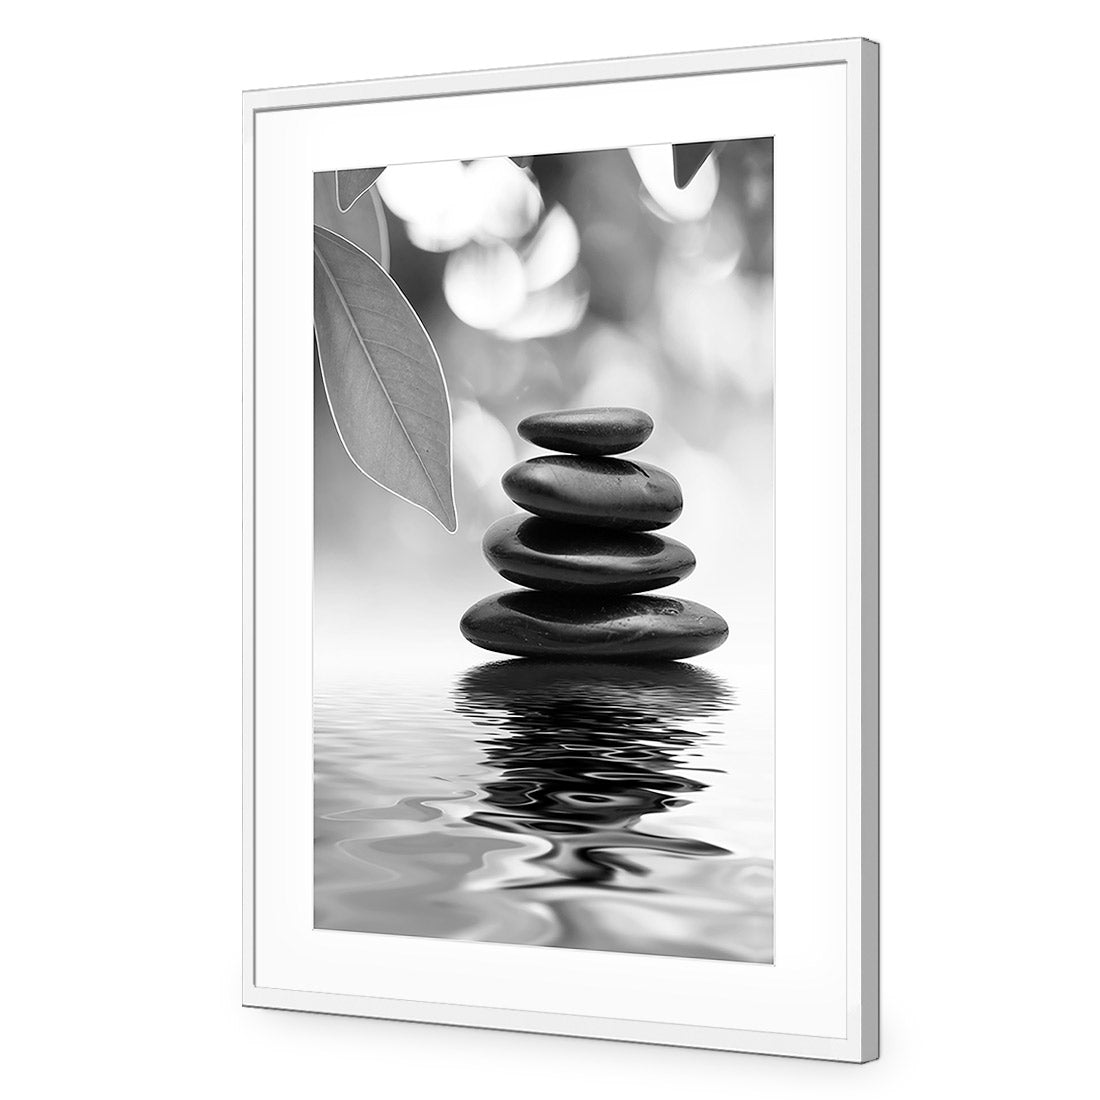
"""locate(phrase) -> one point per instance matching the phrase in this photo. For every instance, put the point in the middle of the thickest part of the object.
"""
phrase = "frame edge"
(869, 588)
(248, 548)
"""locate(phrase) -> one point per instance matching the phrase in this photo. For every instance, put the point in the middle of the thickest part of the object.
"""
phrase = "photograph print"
(543, 550)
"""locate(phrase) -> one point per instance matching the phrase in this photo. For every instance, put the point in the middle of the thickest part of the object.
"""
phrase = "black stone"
(541, 624)
(606, 431)
(558, 557)
(596, 492)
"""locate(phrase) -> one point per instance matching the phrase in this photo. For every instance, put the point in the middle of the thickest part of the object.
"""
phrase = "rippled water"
(548, 803)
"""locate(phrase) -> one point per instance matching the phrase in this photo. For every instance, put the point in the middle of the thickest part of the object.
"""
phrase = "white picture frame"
(820, 102)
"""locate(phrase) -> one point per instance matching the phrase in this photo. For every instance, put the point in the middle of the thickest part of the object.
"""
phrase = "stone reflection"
(585, 751)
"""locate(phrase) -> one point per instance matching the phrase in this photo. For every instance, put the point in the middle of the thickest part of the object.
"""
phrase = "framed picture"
(561, 481)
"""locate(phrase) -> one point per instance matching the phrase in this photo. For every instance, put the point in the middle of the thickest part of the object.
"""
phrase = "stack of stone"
(587, 549)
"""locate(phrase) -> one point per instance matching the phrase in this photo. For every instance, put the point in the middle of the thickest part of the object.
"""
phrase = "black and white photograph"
(525, 575)
(543, 550)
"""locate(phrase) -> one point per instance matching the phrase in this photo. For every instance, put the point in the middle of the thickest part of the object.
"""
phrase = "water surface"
(551, 803)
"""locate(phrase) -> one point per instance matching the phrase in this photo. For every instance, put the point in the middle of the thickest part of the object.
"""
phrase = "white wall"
(120, 457)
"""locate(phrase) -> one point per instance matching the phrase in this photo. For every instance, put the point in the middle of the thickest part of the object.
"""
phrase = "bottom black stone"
(539, 624)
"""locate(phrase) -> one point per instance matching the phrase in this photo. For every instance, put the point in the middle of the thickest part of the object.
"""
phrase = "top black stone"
(603, 431)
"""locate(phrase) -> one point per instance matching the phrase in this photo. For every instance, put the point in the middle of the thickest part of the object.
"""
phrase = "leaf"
(382, 376)
(353, 184)
(688, 159)
(364, 225)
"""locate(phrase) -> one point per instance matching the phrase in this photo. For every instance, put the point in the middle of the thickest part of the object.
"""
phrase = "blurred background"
(577, 279)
